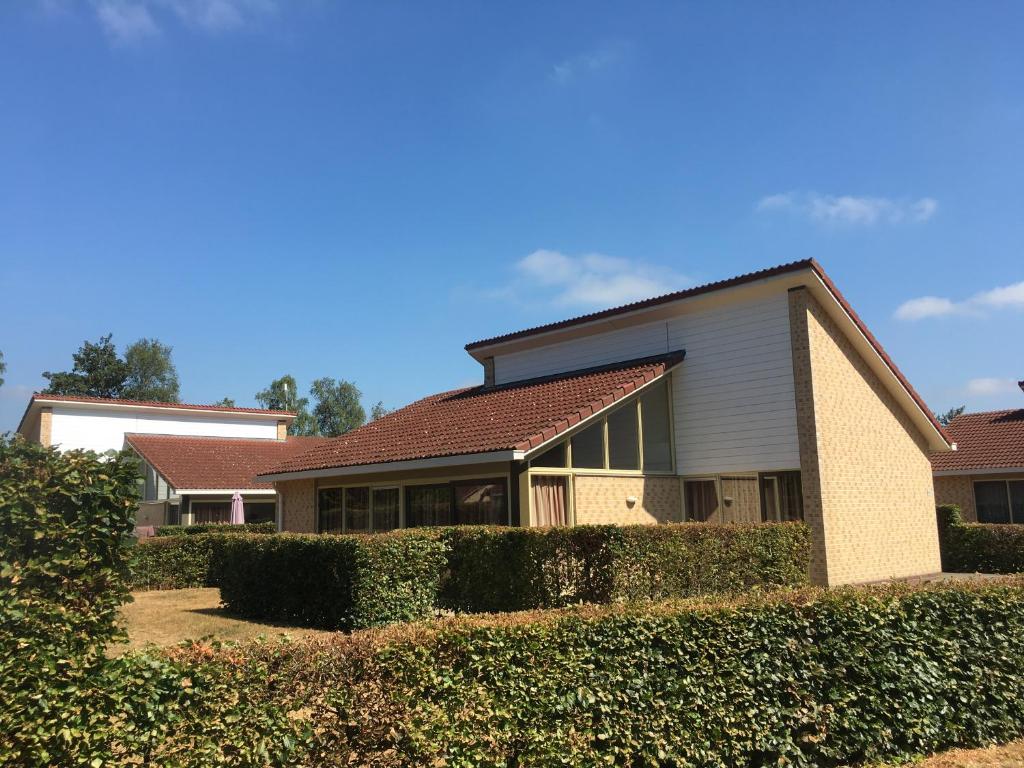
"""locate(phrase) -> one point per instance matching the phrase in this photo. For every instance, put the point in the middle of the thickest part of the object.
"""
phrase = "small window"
(782, 497)
(624, 438)
(480, 502)
(654, 414)
(428, 505)
(588, 447)
(329, 510)
(552, 457)
(992, 501)
(701, 498)
(357, 510)
(1017, 500)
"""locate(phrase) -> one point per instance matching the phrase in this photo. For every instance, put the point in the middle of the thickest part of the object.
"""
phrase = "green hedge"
(190, 530)
(179, 562)
(508, 569)
(334, 582)
(979, 547)
(806, 678)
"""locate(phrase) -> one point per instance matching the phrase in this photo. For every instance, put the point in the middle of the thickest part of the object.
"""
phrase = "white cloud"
(849, 209)
(985, 387)
(1003, 297)
(126, 21)
(568, 70)
(590, 280)
(132, 21)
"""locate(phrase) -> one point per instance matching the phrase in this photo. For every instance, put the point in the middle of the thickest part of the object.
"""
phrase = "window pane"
(428, 505)
(259, 512)
(654, 412)
(624, 438)
(329, 510)
(480, 503)
(588, 447)
(1017, 500)
(553, 457)
(385, 509)
(990, 499)
(701, 499)
(782, 497)
(357, 510)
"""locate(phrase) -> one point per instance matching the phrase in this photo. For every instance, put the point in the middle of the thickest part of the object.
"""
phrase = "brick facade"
(867, 480)
(600, 499)
(282, 430)
(298, 505)
(959, 490)
(46, 427)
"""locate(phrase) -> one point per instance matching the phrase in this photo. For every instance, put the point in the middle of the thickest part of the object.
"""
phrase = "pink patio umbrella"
(237, 509)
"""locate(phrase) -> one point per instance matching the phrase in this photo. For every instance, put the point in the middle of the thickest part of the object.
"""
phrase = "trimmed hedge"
(334, 582)
(979, 547)
(808, 678)
(179, 562)
(509, 569)
(191, 530)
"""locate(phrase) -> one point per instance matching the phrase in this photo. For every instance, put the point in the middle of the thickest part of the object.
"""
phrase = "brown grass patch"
(1007, 756)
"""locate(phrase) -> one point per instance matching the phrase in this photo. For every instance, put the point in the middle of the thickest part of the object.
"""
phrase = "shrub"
(334, 582)
(178, 562)
(808, 678)
(979, 547)
(64, 525)
(190, 530)
(507, 569)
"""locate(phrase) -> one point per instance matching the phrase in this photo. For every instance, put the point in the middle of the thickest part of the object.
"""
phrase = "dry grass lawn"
(1008, 756)
(166, 617)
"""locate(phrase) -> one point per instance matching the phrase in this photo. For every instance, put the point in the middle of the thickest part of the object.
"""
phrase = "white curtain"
(549, 499)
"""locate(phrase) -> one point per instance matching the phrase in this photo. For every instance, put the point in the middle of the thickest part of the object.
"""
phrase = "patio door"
(550, 499)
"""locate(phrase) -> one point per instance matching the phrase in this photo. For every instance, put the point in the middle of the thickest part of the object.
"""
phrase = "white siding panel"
(733, 396)
(103, 430)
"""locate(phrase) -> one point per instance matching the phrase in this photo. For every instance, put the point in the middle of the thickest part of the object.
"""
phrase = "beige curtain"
(549, 499)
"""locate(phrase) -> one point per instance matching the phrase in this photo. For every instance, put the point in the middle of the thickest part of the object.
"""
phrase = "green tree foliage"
(151, 372)
(337, 409)
(226, 402)
(378, 410)
(97, 372)
(283, 395)
(945, 419)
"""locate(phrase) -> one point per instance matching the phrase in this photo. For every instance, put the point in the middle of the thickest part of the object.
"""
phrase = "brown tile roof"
(154, 404)
(516, 416)
(750, 277)
(215, 462)
(991, 440)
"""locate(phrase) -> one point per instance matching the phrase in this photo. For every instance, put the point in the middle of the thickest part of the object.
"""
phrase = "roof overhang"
(981, 471)
(224, 491)
(401, 466)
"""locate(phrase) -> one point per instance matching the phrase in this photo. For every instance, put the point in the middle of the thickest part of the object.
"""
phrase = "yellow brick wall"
(602, 500)
(298, 505)
(46, 427)
(282, 430)
(868, 490)
(959, 490)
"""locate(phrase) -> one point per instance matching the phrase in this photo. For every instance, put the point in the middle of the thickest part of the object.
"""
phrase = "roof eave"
(453, 460)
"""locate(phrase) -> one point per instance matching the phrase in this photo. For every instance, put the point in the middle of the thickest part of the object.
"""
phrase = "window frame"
(1009, 498)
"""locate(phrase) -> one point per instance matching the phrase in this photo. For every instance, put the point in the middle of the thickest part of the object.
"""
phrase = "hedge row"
(805, 678)
(351, 582)
(190, 530)
(979, 547)
(176, 562)
(510, 569)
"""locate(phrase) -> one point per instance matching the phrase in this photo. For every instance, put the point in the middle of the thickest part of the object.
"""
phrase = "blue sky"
(357, 190)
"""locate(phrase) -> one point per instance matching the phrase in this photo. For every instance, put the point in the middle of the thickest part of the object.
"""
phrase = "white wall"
(103, 429)
(733, 395)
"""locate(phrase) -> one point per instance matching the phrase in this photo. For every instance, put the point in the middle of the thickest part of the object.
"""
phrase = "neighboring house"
(100, 423)
(762, 397)
(191, 479)
(985, 475)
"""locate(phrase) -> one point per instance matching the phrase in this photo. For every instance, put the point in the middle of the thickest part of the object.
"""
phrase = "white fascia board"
(400, 466)
(986, 471)
(225, 491)
(88, 406)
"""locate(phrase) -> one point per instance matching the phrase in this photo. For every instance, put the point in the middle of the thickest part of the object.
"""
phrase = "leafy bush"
(64, 525)
(334, 582)
(810, 678)
(178, 562)
(979, 547)
(507, 569)
(191, 530)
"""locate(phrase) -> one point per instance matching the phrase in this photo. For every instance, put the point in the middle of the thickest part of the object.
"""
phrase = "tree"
(225, 402)
(151, 372)
(338, 409)
(946, 418)
(97, 372)
(378, 410)
(283, 395)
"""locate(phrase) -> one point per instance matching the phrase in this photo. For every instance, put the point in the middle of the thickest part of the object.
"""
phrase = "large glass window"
(588, 447)
(357, 510)
(781, 497)
(480, 502)
(385, 509)
(654, 413)
(623, 438)
(329, 502)
(259, 512)
(1016, 500)
(428, 505)
(992, 501)
(553, 457)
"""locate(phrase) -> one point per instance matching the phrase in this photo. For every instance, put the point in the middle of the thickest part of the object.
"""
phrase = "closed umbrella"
(237, 509)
